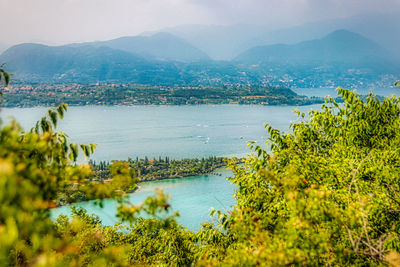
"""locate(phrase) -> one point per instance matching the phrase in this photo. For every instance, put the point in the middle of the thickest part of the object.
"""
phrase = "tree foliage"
(328, 193)
(4, 75)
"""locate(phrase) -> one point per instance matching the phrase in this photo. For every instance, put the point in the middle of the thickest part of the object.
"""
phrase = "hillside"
(379, 28)
(339, 46)
(341, 58)
(35, 62)
(226, 42)
(160, 46)
(219, 42)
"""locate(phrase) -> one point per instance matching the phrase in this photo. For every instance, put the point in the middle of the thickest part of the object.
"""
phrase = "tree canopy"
(326, 193)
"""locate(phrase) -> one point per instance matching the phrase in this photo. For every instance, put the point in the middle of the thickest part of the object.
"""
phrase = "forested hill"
(339, 46)
(161, 46)
(35, 62)
(341, 58)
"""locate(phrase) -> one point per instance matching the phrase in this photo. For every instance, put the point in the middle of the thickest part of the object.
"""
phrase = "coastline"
(62, 202)
(178, 178)
(184, 176)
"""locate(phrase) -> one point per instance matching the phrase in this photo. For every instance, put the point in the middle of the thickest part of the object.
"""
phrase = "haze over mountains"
(339, 46)
(219, 42)
(189, 55)
(160, 46)
(226, 42)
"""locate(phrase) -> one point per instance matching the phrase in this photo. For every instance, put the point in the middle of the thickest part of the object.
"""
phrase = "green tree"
(4, 75)
(327, 194)
(36, 166)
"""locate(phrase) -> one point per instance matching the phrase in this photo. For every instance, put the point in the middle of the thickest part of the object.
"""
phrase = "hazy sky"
(63, 21)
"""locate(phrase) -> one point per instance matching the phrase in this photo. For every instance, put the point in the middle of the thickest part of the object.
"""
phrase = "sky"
(65, 21)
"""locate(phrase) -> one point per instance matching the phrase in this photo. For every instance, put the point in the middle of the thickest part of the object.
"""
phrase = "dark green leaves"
(4, 75)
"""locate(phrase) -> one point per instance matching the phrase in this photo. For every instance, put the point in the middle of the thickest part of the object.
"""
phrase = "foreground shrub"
(327, 194)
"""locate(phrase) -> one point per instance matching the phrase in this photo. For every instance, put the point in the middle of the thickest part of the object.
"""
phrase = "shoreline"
(160, 105)
(138, 185)
(102, 175)
(183, 176)
(178, 178)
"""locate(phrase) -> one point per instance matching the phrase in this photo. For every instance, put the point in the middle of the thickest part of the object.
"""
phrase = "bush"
(328, 194)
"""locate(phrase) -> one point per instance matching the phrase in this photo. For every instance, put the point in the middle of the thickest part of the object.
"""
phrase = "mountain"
(226, 42)
(160, 46)
(342, 58)
(340, 46)
(383, 29)
(3, 47)
(86, 63)
(218, 41)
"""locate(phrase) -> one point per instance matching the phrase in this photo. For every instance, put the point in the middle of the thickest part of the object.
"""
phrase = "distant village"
(28, 95)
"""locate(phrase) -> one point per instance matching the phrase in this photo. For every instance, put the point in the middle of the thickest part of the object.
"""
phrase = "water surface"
(173, 131)
(192, 197)
(176, 132)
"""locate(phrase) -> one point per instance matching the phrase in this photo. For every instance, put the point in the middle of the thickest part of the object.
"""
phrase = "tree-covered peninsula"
(145, 170)
(162, 168)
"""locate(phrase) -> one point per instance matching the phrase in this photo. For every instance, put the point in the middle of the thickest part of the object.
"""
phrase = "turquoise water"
(192, 197)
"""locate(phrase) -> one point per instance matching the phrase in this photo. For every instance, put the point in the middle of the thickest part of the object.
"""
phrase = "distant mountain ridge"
(160, 46)
(339, 46)
(383, 29)
(227, 42)
(84, 63)
(3, 47)
(219, 42)
(340, 58)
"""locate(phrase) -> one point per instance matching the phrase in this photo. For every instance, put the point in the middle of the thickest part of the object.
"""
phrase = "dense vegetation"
(158, 169)
(145, 170)
(41, 95)
(328, 195)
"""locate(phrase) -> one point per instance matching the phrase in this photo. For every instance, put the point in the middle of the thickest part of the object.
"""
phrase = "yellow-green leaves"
(329, 194)
(35, 167)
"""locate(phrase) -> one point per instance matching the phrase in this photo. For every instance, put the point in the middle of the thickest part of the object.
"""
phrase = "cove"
(192, 197)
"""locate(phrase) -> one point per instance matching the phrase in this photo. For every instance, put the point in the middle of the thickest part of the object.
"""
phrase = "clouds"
(61, 21)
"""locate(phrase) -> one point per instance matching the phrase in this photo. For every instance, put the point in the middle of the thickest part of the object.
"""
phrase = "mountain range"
(159, 46)
(226, 42)
(341, 56)
(339, 46)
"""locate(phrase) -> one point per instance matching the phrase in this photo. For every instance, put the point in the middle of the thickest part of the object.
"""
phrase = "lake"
(176, 132)
(321, 92)
(173, 131)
